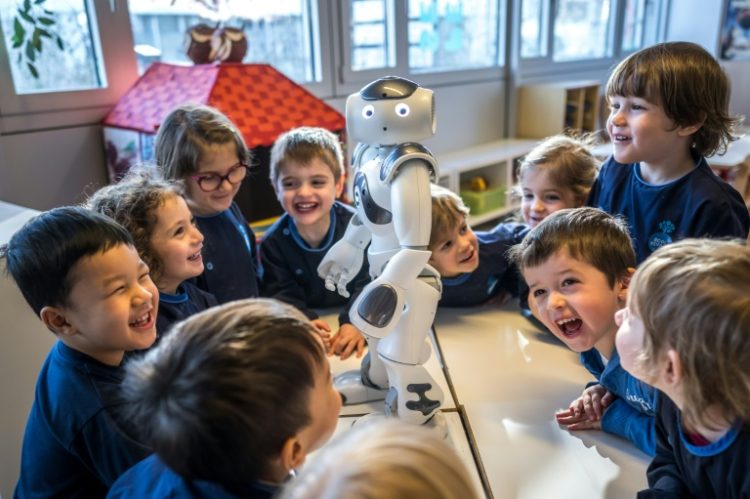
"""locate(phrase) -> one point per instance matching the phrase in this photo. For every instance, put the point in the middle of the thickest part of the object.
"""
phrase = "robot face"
(378, 115)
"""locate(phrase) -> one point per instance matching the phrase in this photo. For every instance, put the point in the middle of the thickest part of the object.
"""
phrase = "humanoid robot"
(392, 174)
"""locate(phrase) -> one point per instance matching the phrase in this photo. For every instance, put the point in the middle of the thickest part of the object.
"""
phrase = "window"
(278, 32)
(422, 37)
(52, 45)
(534, 18)
(582, 30)
(639, 26)
(372, 35)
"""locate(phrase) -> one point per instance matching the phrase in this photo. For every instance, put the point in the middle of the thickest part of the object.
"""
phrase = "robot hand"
(343, 261)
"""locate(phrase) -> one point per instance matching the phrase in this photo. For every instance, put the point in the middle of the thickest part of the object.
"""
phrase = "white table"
(508, 380)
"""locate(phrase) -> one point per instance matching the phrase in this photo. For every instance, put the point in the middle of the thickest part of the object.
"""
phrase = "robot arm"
(343, 261)
(378, 307)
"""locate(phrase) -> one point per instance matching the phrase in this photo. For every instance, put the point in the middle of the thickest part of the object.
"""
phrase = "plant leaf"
(43, 32)
(20, 55)
(37, 2)
(27, 17)
(47, 21)
(18, 29)
(33, 70)
(17, 42)
(26, 5)
(30, 53)
(36, 40)
(60, 43)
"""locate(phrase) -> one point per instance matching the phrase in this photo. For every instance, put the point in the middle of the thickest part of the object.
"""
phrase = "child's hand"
(347, 341)
(585, 412)
(575, 421)
(324, 332)
(594, 400)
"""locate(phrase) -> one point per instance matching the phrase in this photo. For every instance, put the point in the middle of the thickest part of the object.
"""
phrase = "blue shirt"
(152, 478)
(698, 204)
(494, 273)
(631, 414)
(229, 256)
(718, 470)
(74, 444)
(290, 266)
(189, 300)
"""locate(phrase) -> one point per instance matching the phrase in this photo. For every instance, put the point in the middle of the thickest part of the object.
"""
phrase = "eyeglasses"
(212, 181)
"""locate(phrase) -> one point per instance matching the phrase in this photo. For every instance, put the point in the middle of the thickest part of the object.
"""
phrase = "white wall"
(50, 168)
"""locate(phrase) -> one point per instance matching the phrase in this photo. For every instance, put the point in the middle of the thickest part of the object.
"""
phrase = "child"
(165, 235)
(389, 460)
(686, 331)
(472, 266)
(79, 271)
(669, 109)
(200, 146)
(577, 264)
(307, 175)
(231, 401)
(558, 173)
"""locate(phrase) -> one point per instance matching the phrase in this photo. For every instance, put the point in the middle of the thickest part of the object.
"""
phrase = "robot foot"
(353, 391)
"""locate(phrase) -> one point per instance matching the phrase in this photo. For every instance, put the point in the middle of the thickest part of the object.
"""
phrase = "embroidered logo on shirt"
(661, 238)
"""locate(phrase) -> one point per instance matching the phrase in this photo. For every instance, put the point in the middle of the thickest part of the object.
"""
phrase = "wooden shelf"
(552, 108)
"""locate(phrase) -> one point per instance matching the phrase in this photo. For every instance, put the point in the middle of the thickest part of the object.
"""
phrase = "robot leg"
(414, 395)
(366, 384)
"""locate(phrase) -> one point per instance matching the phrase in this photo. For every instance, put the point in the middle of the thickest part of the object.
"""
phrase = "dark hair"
(302, 145)
(187, 132)
(688, 83)
(589, 234)
(132, 202)
(40, 255)
(217, 399)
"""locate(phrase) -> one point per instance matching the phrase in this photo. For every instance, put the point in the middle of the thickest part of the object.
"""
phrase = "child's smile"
(457, 252)
(177, 243)
(307, 193)
(576, 302)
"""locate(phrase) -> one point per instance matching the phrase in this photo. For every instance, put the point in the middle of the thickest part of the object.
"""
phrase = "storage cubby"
(552, 108)
(495, 163)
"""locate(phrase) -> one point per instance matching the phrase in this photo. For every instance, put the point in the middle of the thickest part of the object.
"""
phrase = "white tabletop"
(510, 380)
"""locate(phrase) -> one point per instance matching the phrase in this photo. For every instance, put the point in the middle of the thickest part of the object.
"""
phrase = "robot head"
(390, 110)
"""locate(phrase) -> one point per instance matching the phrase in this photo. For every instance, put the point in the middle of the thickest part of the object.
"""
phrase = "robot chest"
(367, 191)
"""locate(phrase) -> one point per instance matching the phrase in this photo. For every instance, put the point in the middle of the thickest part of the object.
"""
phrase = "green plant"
(31, 24)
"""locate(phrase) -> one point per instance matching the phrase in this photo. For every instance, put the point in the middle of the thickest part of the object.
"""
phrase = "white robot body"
(395, 311)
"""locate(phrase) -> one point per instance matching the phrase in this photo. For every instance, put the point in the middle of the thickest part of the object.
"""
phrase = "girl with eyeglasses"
(200, 146)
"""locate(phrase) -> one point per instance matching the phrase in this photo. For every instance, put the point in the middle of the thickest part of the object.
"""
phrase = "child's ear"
(624, 284)
(672, 370)
(55, 320)
(339, 186)
(687, 131)
(292, 454)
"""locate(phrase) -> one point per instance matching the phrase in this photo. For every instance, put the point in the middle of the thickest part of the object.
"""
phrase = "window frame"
(537, 68)
(46, 110)
(349, 81)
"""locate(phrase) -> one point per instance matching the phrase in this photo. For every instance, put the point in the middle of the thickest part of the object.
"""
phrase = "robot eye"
(402, 109)
(368, 111)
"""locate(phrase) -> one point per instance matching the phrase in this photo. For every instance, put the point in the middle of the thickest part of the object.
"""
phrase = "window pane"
(632, 29)
(40, 24)
(278, 32)
(533, 28)
(452, 34)
(372, 40)
(581, 30)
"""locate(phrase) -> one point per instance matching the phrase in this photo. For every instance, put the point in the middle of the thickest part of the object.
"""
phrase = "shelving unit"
(553, 108)
(494, 162)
